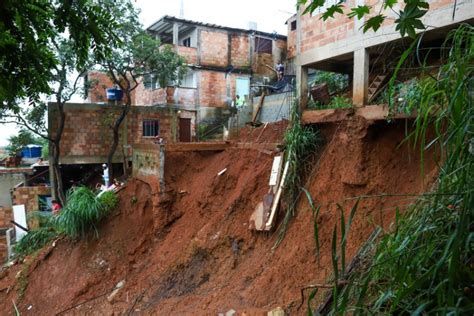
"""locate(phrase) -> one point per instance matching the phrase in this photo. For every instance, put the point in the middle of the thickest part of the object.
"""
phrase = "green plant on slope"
(340, 102)
(301, 143)
(425, 266)
(34, 240)
(83, 211)
(336, 82)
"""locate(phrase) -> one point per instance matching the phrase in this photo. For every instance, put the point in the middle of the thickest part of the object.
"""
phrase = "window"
(263, 45)
(150, 81)
(293, 25)
(151, 128)
(189, 80)
(187, 42)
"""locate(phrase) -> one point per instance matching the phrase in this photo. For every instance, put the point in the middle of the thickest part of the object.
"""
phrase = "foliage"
(168, 66)
(27, 32)
(408, 21)
(425, 265)
(140, 55)
(336, 82)
(16, 143)
(36, 238)
(405, 96)
(340, 102)
(83, 211)
(301, 142)
(337, 102)
(108, 200)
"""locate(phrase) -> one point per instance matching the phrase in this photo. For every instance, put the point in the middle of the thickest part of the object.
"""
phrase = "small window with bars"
(151, 128)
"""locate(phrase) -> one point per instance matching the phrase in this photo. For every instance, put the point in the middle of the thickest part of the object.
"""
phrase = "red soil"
(190, 252)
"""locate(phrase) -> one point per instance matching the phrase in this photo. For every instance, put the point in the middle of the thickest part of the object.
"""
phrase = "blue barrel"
(114, 94)
(31, 151)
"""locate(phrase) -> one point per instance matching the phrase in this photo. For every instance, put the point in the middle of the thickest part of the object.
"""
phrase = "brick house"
(87, 135)
(222, 62)
(339, 44)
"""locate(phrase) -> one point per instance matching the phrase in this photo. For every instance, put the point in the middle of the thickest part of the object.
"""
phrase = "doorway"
(184, 129)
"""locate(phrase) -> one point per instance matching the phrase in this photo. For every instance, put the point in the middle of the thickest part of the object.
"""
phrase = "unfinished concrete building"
(222, 63)
(340, 45)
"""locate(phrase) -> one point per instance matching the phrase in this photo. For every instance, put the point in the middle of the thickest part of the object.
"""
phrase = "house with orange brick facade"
(340, 45)
(222, 63)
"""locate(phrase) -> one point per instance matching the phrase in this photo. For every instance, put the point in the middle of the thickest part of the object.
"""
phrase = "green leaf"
(359, 11)
(313, 6)
(336, 8)
(374, 23)
(389, 3)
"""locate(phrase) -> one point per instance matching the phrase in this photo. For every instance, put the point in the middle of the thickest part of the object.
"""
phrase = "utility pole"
(181, 9)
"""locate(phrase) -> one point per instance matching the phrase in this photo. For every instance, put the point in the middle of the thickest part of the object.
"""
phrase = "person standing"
(280, 69)
(105, 175)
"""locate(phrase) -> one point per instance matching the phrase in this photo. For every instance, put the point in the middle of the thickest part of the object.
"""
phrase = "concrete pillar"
(175, 33)
(161, 176)
(360, 77)
(302, 85)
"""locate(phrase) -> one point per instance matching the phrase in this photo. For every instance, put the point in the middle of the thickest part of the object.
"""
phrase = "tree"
(408, 21)
(16, 143)
(140, 55)
(63, 84)
(27, 56)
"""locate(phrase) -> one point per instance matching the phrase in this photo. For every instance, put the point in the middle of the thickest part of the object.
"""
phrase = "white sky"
(270, 16)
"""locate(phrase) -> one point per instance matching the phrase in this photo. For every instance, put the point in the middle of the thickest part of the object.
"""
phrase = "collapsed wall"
(190, 251)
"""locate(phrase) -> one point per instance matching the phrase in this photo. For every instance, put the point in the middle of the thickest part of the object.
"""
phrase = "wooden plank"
(198, 146)
(276, 200)
(258, 146)
(369, 112)
(260, 103)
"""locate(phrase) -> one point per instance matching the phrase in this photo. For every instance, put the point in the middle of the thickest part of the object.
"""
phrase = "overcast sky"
(270, 16)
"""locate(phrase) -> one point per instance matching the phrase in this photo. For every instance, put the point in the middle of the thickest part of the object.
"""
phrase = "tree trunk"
(115, 141)
(58, 187)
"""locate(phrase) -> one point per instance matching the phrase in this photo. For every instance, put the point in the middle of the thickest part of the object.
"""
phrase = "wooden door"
(184, 129)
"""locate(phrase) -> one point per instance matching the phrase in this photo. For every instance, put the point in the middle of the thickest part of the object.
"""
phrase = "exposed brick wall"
(259, 62)
(189, 54)
(100, 81)
(212, 88)
(240, 48)
(28, 196)
(149, 96)
(214, 48)
(317, 33)
(3, 249)
(6, 215)
(87, 132)
(291, 39)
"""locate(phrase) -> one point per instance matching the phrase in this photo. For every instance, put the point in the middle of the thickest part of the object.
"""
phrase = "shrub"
(34, 240)
(83, 211)
(340, 102)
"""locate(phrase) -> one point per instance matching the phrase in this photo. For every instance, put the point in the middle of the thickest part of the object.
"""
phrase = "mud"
(190, 252)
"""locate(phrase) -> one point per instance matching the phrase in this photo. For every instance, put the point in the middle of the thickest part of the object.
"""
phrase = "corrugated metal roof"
(161, 24)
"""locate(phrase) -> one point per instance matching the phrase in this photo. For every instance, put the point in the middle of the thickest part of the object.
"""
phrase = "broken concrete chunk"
(114, 293)
(230, 312)
(276, 312)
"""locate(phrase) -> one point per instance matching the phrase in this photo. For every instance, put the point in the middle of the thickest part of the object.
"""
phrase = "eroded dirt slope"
(190, 252)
